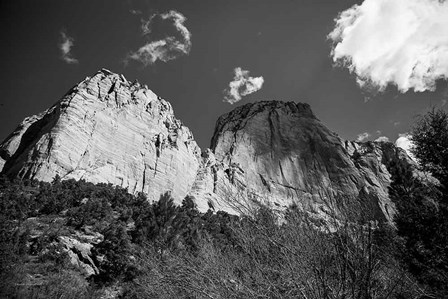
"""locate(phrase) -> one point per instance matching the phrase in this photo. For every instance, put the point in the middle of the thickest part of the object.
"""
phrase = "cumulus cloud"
(382, 139)
(166, 49)
(398, 42)
(362, 137)
(66, 44)
(242, 85)
(404, 141)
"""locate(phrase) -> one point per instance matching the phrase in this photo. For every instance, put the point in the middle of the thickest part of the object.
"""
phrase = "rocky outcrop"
(107, 129)
(76, 244)
(79, 254)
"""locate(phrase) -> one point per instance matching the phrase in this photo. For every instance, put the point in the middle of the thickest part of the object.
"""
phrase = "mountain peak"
(280, 154)
(238, 118)
(107, 129)
(106, 71)
(115, 89)
(302, 109)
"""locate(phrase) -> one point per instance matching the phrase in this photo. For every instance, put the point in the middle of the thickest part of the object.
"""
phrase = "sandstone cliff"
(107, 129)
(280, 154)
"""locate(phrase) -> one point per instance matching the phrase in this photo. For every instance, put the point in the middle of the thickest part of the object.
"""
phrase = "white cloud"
(404, 142)
(362, 137)
(135, 12)
(165, 49)
(66, 46)
(399, 42)
(242, 85)
(382, 139)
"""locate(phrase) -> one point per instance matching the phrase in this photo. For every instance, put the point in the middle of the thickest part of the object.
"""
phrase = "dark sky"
(282, 40)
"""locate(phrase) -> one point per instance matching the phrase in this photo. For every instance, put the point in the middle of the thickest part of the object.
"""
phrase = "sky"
(368, 68)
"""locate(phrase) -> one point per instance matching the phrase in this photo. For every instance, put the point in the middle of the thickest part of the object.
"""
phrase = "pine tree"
(422, 214)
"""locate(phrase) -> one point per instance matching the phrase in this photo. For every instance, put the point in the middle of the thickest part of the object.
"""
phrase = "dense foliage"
(163, 250)
(422, 204)
(430, 138)
(35, 215)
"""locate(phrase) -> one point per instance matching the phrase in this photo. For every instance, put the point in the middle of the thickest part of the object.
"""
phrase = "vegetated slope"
(72, 239)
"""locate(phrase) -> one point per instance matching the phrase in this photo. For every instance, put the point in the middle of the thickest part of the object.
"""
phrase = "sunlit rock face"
(280, 154)
(107, 129)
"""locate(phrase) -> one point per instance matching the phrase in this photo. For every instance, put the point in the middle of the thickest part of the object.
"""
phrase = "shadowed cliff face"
(107, 129)
(285, 144)
(280, 154)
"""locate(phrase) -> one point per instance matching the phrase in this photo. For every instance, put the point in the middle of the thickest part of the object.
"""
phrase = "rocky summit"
(107, 129)
(280, 154)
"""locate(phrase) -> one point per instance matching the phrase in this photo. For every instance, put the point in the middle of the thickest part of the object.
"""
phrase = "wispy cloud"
(65, 45)
(135, 12)
(362, 137)
(398, 42)
(242, 85)
(165, 49)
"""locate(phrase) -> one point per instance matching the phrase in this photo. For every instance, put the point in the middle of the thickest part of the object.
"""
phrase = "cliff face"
(107, 129)
(281, 154)
(12, 142)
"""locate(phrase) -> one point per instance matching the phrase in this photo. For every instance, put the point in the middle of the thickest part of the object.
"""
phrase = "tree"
(117, 251)
(422, 204)
(430, 138)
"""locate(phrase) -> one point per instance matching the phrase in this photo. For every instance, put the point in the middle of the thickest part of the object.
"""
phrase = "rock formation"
(280, 154)
(12, 142)
(77, 244)
(107, 129)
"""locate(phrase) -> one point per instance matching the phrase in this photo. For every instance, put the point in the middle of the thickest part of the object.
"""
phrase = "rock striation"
(107, 129)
